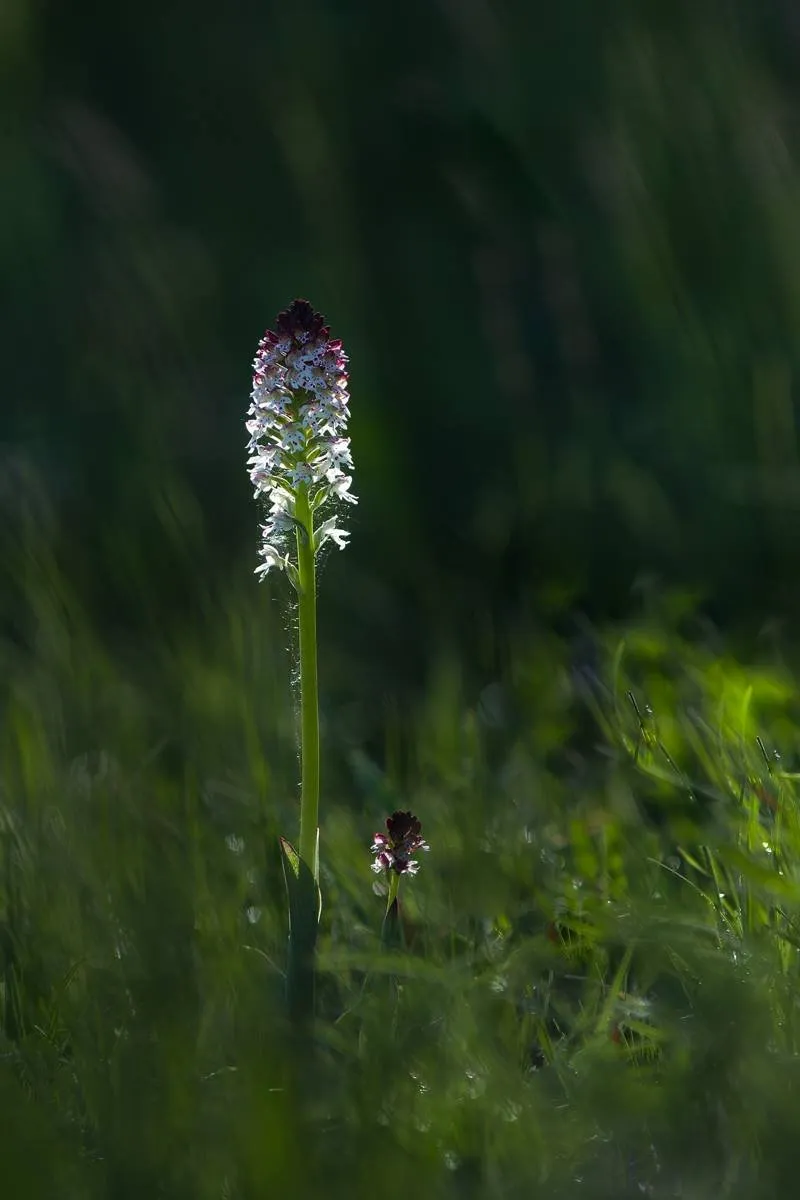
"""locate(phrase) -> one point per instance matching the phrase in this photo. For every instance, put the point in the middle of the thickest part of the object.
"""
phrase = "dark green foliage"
(594, 979)
(561, 245)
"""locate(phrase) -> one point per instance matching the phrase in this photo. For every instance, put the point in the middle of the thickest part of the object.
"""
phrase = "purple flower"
(297, 421)
(393, 850)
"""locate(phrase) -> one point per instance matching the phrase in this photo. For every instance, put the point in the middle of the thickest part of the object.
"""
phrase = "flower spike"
(297, 421)
(393, 850)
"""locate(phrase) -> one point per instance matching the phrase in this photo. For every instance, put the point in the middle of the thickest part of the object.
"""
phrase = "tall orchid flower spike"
(300, 465)
(299, 453)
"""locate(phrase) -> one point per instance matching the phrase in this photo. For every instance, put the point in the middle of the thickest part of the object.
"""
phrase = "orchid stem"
(309, 689)
(394, 888)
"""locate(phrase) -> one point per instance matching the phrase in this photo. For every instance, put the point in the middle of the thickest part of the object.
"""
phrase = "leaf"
(291, 857)
(392, 928)
(305, 905)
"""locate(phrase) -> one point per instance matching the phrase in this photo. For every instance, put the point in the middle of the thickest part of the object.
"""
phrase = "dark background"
(561, 246)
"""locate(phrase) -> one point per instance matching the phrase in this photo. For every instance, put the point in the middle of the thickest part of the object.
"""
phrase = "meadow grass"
(597, 990)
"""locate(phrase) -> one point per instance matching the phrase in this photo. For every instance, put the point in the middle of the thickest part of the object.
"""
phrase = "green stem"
(392, 927)
(309, 695)
(394, 888)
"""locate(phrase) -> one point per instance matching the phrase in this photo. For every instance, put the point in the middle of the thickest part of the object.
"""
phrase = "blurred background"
(559, 243)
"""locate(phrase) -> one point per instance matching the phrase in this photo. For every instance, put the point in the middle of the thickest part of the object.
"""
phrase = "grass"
(598, 996)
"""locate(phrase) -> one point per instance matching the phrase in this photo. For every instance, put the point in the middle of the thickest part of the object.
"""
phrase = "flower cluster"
(393, 850)
(297, 421)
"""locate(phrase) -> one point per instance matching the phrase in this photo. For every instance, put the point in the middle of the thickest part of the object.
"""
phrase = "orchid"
(393, 850)
(299, 461)
(300, 466)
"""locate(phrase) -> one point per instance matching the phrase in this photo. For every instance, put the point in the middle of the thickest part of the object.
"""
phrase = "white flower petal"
(329, 531)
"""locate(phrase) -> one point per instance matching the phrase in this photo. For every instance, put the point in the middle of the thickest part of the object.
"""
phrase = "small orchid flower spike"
(394, 849)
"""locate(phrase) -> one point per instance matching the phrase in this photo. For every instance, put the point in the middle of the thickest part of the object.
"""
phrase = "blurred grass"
(599, 992)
